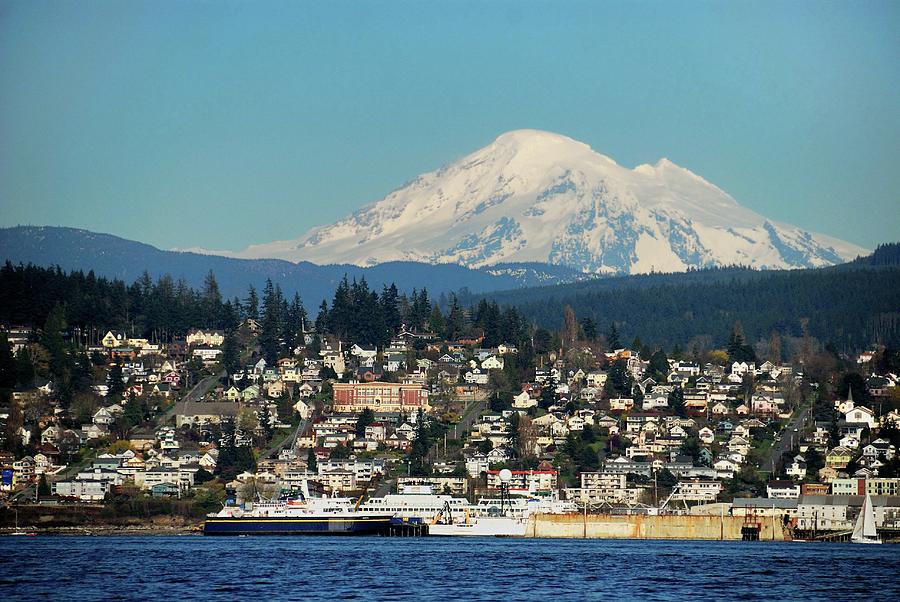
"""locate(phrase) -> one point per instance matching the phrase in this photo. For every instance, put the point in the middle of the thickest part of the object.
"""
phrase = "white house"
(861, 414)
(492, 363)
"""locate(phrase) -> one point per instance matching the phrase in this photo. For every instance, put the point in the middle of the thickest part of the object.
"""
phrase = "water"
(309, 568)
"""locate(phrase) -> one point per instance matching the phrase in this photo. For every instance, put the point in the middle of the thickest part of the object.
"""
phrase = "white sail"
(858, 526)
(869, 531)
(864, 529)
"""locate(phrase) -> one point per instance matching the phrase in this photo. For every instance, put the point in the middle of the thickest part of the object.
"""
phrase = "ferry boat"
(308, 516)
(416, 501)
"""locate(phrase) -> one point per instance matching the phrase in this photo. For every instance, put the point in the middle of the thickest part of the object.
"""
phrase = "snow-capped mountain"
(533, 196)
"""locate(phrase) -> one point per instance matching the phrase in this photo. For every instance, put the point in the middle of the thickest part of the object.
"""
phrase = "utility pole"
(655, 491)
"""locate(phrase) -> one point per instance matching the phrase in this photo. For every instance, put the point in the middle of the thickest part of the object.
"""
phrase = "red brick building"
(380, 397)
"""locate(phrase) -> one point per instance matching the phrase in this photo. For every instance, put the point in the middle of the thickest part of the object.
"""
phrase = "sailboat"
(864, 529)
(18, 531)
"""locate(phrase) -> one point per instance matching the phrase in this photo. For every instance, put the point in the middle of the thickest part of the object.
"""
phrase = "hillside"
(853, 305)
(114, 257)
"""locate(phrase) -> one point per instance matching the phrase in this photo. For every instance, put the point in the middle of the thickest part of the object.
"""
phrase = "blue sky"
(221, 124)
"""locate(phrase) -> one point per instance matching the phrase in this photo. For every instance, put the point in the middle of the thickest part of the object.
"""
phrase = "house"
(362, 352)
(86, 491)
(621, 404)
(274, 388)
(762, 404)
(250, 393)
(741, 368)
(838, 457)
(208, 355)
(655, 401)
(395, 362)
(51, 434)
(605, 422)
(706, 435)
(302, 408)
(879, 448)
(697, 490)
(90, 432)
(192, 413)
(376, 431)
(113, 339)
(523, 401)
(782, 490)
(596, 379)
(720, 409)
(861, 414)
(209, 338)
(797, 469)
(492, 363)
(476, 377)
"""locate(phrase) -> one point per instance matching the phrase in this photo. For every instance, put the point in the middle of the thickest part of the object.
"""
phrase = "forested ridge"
(853, 305)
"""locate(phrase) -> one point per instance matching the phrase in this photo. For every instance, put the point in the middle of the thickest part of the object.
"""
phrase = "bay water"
(181, 568)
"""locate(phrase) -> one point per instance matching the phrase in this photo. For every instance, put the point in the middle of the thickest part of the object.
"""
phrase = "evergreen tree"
(548, 397)
(295, 319)
(265, 421)
(231, 355)
(25, 372)
(619, 380)
(589, 328)
(270, 328)
(322, 318)
(390, 308)
(366, 417)
(455, 324)
(612, 337)
(43, 486)
(659, 364)
(738, 350)
(211, 301)
(8, 371)
(676, 402)
(252, 304)
(312, 465)
(52, 340)
(436, 320)
(114, 380)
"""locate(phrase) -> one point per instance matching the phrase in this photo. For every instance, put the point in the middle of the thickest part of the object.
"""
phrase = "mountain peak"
(529, 137)
(537, 196)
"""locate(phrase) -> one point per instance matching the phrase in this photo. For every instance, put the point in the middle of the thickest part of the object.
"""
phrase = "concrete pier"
(605, 526)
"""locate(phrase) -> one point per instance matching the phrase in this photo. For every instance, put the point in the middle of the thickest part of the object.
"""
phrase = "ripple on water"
(196, 568)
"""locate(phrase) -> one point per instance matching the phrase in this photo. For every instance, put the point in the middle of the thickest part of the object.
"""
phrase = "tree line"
(853, 307)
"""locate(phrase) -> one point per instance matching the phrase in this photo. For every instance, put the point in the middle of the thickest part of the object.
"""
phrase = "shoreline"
(108, 530)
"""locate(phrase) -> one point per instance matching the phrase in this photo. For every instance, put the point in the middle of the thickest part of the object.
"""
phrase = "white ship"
(498, 517)
(483, 526)
(416, 501)
(306, 516)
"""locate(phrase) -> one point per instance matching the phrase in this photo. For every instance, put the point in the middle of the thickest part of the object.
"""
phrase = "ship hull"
(482, 527)
(368, 525)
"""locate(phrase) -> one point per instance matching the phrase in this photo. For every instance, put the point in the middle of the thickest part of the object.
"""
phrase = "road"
(193, 395)
(472, 412)
(789, 438)
(291, 440)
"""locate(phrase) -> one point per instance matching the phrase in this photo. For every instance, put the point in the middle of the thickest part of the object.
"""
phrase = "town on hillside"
(187, 402)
